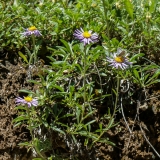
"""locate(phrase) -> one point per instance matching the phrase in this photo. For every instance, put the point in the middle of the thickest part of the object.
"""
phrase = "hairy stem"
(31, 132)
(34, 54)
(84, 82)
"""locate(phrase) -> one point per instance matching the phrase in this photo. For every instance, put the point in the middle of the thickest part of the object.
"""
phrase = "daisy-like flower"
(27, 100)
(119, 60)
(32, 30)
(85, 36)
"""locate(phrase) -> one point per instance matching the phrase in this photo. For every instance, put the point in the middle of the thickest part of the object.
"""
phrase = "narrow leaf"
(153, 6)
(129, 7)
(90, 122)
(23, 56)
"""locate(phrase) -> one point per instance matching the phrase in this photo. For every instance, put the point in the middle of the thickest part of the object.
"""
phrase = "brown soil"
(128, 147)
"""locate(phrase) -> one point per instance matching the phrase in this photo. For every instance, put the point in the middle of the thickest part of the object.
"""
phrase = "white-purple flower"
(32, 31)
(27, 101)
(85, 36)
(119, 60)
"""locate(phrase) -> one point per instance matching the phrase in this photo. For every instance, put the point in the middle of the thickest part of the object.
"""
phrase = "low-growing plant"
(84, 76)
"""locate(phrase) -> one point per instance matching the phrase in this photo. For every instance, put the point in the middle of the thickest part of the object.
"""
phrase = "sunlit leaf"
(129, 7)
(153, 5)
(23, 57)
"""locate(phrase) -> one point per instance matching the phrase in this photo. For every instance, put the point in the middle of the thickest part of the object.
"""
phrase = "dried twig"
(138, 106)
(125, 117)
(132, 130)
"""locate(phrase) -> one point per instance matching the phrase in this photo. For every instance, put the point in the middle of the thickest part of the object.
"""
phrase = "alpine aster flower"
(119, 60)
(85, 36)
(32, 30)
(27, 100)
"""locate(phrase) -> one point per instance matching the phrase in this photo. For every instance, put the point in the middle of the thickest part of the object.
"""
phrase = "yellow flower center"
(119, 59)
(28, 99)
(33, 28)
(86, 34)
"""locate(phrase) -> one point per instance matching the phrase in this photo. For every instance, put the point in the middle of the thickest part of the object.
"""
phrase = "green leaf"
(129, 7)
(58, 130)
(35, 82)
(78, 67)
(67, 45)
(63, 125)
(52, 85)
(78, 112)
(90, 122)
(136, 74)
(100, 126)
(59, 62)
(67, 115)
(153, 6)
(83, 133)
(93, 136)
(75, 141)
(136, 56)
(114, 91)
(25, 144)
(17, 124)
(26, 91)
(104, 140)
(28, 51)
(153, 82)
(110, 124)
(20, 118)
(86, 142)
(20, 107)
(23, 56)
(157, 73)
(146, 77)
(150, 67)
(90, 113)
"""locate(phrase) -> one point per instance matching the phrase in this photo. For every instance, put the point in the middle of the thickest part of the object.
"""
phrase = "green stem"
(105, 16)
(29, 119)
(117, 96)
(84, 82)
(116, 101)
(114, 111)
(34, 48)
(31, 132)
(33, 55)
(31, 58)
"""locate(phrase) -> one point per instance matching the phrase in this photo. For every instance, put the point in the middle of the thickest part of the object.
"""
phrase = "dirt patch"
(12, 79)
(128, 147)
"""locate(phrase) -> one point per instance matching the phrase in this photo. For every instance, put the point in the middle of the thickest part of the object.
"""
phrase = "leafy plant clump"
(94, 54)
